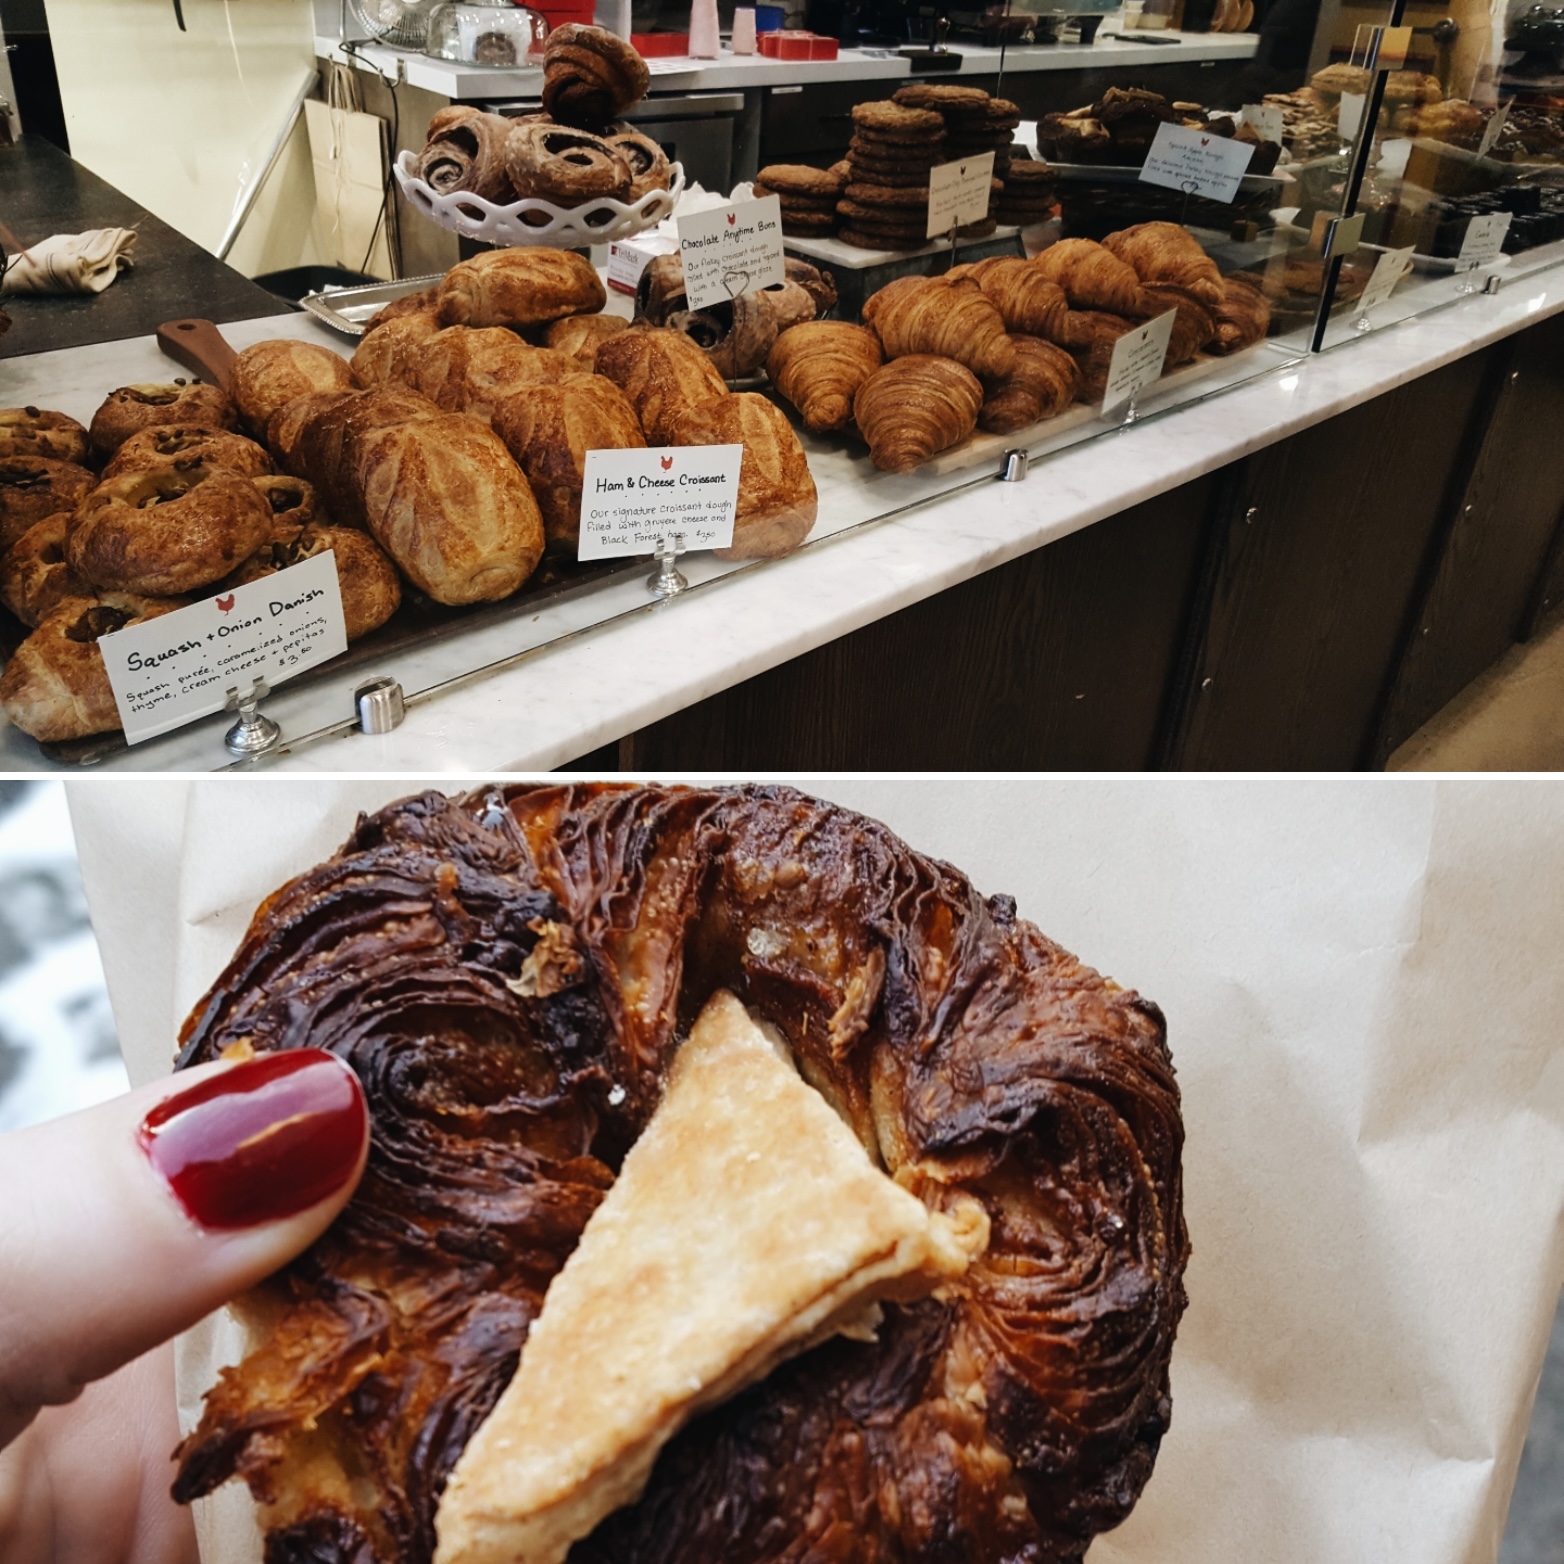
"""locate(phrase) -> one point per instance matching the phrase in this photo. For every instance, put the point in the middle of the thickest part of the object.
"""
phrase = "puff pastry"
(819, 365)
(268, 374)
(663, 373)
(1170, 253)
(949, 319)
(1092, 277)
(915, 407)
(521, 287)
(1041, 386)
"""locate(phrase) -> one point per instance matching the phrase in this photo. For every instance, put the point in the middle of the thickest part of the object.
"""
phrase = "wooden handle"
(199, 345)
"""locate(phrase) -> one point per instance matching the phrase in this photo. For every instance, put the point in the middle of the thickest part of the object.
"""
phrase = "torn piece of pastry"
(747, 1224)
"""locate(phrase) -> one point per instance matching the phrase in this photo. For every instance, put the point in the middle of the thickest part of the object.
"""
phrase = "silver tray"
(348, 309)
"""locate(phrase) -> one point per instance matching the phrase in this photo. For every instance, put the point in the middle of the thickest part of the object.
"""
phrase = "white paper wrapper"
(1364, 995)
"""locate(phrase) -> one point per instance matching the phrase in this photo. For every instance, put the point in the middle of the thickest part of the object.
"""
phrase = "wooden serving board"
(988, 450)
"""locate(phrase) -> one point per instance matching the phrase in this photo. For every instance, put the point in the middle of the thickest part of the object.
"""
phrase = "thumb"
(124, 1224)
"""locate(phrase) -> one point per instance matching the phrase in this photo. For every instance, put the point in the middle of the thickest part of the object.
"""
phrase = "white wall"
(183, 121)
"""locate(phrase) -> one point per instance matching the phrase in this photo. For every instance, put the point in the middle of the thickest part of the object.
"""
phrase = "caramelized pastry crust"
(164, 444)
(32, 487)
(130, 408)
(510, 974)
(519, 288)
(581, 335)
(33, 431)
(270, 374)
(34, 577)
(662, 372)
(916, 407)
(371, 592)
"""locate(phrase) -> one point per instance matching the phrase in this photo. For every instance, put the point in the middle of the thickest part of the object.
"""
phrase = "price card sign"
(1137, 360)
(958, 193)
(1494, 128)
(1389, 269)
(1266, 118)
(171, 670)
(632, 500)
(1484, 241)
(1349, 115)
(731, 250)
(1197, 162)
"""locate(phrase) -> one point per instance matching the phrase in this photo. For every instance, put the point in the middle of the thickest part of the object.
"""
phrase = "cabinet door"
(1485, 577)
(1314, 568)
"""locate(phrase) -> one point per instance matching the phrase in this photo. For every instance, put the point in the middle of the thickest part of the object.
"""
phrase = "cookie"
(798, 203)
(878, 241)
(1027, 171)
(943, 98)
(869, 194)
(866, 215)
(798, 179)
(910, 157)
(895, 178)
(889, 121)
(808, 225)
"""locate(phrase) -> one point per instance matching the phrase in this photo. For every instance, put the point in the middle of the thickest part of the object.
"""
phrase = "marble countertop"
(540, 688)
(733, 71)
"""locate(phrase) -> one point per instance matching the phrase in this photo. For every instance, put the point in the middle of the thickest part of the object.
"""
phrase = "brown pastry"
(140, 407)
(931, 315)
(818, 283)
(591, 77)
(331, 441)
(34, 577)
(268, 374)
(578, 336)
(819, 365)
(371, 592)
(1242, 318)
(649, 166)
(55, 686)
(735, 335)
(569, 167)
(166, 531)
(1454, 120)
(660, 291)
(33, 431)
(471, 370)
(285, 429)
(292, 502)
(1330, 83)
(1028, 302)
(443, 498)
(424, 302)
(1042, 385)
(520, 287)
(1168, 252)
(465, 150)
(550, 428)
(1193, 327)
(32, 487)
(164, 444)
(663, 373)
(1089, 336)
(916, 407)
(389, 354)
(1092, 278)
(777, 499)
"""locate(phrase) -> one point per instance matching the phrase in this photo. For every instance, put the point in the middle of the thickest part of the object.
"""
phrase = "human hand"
(119, 1227)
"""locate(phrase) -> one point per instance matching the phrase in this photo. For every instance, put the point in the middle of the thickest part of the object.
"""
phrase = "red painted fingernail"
(265, 1140)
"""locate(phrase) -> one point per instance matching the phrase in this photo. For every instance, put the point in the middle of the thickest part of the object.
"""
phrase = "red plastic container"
(794, 43)
(653, 46)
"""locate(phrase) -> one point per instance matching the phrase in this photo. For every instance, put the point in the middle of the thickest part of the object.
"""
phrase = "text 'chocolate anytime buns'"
(511, 974)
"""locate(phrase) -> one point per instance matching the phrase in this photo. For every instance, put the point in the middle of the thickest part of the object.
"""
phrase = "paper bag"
(1364, 996)
(355, 216)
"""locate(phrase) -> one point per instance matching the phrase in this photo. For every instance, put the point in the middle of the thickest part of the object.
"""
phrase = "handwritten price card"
(171, 670)
(1389, 269)
(1494, 128)
(1484, 241)
(958, 193)
(632, 500)
(1137, 360)
(731, 250)
(1196, 162)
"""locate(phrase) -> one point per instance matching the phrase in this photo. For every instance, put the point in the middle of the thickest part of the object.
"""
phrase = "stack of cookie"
(808, 197)
(1026, 194)
(885, 205)
(974, 121)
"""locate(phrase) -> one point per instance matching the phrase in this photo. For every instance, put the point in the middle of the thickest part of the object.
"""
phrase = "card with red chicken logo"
(632, 501)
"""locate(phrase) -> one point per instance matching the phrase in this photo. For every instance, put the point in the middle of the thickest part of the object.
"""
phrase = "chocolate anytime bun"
(510, 975)
(568, 167)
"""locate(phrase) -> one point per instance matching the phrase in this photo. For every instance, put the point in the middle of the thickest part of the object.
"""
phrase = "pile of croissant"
(449, 454)
(1006, 343)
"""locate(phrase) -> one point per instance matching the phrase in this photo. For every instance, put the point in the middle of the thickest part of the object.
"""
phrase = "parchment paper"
(1365, 998)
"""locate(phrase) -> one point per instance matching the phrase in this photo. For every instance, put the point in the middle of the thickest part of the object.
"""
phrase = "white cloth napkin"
(71, 263)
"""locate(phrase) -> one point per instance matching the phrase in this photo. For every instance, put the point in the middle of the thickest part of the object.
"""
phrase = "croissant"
(1168, 252)
(519, 287)
(330, 433)
(777, 498)
(550, 428)
(917, 406)
(938, 317)
(1092, 334)
(1092, 278)
(1042, 385)
(1029, 303)
(465, 150)
(819, 365)
(468, 370)
(388, 354)
(1194, 326)
(1242, 318)
(580, 335)
(425, 302)
(662, 372)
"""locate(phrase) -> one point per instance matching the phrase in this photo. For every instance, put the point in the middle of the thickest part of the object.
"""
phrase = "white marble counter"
(736, 72)
(588, 670)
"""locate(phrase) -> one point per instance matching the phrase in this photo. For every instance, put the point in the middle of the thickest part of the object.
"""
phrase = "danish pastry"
(32, 487)
(590, 77)
(512, 975)
(371, 592)
(32, 431)
(164, 444)
(569, 167)
(34, 577)
(140, 407)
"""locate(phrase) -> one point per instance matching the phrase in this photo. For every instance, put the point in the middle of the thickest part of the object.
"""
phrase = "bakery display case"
(1129, 260)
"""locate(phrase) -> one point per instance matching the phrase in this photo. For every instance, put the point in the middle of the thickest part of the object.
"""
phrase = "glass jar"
(487, 32)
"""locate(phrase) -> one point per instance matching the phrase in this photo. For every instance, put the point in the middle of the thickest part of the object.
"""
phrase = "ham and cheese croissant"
(942, 317)
(917, 406)
(663, 373)
(1168, 252)
(1042, 385)
(1092, 278)
(819, 365)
